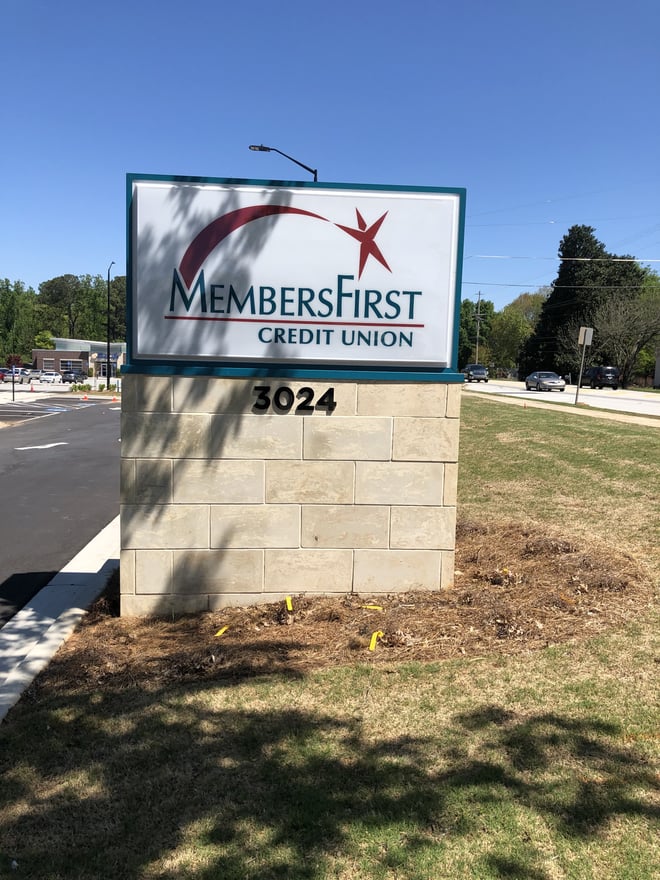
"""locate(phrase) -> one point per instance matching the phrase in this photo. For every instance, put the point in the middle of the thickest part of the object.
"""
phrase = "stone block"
(153, 481)
(218, 482)
(127, 481)
(345, 526)
(127, 571)
(153, 572)
(416, 483)
(260, 436)
(164, 526)
(454, 392)
(162, 606)
(255, 525)
(165, 435)
(129, 393)
(217, 571)
(308, 571)
(213, 394)
(418, 439)
(423, 528)
(153, 393)
(449, 497)
(342, 439)
(309, 482)
(393, 571)
(424, 399)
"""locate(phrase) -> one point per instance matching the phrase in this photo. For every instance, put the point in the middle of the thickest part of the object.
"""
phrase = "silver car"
(542, 380)
(51, 376)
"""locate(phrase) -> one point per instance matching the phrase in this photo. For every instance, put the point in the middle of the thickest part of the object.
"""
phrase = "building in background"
(81, 356)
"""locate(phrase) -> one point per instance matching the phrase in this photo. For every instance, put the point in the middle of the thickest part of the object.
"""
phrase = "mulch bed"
(517, 589)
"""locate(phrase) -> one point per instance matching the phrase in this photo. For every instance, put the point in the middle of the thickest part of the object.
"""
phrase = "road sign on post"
(584, 339)
(586, 335)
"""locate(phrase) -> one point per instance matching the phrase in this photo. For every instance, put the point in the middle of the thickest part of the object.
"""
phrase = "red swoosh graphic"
(211, 236)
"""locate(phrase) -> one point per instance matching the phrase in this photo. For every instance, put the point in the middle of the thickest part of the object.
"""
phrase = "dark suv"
(602, 377)
(476, 373)
(73, 377)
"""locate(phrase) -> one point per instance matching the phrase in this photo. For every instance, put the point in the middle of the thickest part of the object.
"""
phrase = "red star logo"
(368, 247)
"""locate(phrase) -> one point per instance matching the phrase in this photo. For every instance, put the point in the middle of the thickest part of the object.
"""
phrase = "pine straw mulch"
(516, 589)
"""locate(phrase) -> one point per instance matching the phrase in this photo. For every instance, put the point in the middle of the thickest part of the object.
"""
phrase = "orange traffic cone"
(31, 387)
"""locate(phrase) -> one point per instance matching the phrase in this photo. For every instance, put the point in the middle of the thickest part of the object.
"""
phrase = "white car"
(51, 376)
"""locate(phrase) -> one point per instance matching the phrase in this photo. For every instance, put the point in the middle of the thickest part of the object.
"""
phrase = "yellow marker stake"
(222, 631)
(373, 607)
(374, 638)
(289, 604)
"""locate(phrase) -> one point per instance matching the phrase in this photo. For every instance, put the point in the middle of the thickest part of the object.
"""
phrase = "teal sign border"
(298, 369)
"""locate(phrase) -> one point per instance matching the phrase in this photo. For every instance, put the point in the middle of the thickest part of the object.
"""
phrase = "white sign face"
(244, 272)
(585, 336)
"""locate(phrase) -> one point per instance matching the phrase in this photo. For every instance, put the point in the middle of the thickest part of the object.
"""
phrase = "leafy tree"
(645, 364)
(588, 277)
(624, 327)
(64, 295)
(70, 305)
(513, 325)
(77, 306)
(509, 332)
(530, 305)
(467, 330)
(44, 339)
(118, 309)
(17, 319)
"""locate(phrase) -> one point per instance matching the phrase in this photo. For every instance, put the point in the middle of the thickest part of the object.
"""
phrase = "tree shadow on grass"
(163, 784)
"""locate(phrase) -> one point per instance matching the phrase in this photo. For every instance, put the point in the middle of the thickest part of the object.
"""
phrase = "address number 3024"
(282, 400)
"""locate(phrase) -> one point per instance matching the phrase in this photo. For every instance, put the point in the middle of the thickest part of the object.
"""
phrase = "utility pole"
(477, 318)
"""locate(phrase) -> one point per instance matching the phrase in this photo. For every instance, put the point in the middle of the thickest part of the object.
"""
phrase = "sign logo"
(211, 236)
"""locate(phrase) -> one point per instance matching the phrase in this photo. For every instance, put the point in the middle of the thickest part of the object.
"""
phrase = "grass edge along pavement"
(540, 765)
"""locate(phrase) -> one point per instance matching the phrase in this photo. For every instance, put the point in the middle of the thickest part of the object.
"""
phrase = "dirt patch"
(517, 589)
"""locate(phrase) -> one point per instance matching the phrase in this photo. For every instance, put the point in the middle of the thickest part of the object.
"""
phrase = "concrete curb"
(30, 639)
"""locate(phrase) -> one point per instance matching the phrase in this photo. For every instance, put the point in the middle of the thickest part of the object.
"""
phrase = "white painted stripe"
(47, 446)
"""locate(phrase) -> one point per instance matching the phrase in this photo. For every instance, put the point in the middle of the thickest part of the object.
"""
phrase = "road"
(641, 403)
(59, 480)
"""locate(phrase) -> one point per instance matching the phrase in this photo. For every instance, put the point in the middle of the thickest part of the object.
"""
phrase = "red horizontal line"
(281, 321)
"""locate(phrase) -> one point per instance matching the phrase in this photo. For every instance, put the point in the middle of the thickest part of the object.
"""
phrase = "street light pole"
(107, 362)
(261, 149)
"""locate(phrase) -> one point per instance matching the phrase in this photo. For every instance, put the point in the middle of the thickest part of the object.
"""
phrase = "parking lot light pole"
(107, 362)
(259, 148)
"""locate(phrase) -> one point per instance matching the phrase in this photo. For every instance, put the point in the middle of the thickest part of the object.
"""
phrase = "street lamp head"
(261, 149)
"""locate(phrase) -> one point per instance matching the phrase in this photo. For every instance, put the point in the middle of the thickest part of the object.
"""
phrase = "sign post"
(584, 339)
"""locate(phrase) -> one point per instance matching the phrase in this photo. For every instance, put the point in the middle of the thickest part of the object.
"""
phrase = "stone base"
(224, 505)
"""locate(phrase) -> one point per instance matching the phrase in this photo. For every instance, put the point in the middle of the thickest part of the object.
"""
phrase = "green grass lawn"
(538, 766)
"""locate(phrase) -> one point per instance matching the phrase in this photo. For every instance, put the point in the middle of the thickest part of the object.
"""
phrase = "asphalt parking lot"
(22, 405)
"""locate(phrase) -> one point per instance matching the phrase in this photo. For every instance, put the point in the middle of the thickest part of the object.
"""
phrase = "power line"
(556, 286)
(565, 259)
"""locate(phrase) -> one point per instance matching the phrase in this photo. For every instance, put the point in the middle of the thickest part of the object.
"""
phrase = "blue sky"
(546, 111)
